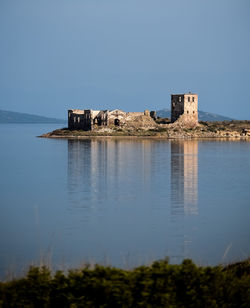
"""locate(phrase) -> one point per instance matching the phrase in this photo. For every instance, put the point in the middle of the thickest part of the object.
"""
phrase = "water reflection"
(103, 169)
(184, 177)
(121, 197)
(143, 188)
(184, 195)
(99, 165)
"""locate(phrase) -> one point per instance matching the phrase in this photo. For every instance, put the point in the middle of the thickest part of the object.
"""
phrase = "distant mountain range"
(18, 117)
(202, 115)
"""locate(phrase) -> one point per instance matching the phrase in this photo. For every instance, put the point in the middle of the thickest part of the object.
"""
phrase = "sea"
(122, 202)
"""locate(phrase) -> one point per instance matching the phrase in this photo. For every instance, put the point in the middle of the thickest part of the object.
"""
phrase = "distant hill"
(202, 115)
(18, 117)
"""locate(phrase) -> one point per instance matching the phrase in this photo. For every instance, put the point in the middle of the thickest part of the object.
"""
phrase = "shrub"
(159, 285)
(212, 129)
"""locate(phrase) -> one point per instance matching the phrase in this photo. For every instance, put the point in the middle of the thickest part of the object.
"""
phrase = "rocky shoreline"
(225, 129)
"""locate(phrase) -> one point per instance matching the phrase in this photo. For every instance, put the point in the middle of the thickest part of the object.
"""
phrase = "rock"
(246, 132)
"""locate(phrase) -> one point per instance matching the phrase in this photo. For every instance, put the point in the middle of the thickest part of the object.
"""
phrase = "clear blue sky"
(127, 54)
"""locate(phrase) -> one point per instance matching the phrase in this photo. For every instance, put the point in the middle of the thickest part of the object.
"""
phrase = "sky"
(127, 54)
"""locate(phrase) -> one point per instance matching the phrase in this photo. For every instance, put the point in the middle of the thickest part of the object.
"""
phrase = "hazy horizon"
(131, 55)
(65, 118)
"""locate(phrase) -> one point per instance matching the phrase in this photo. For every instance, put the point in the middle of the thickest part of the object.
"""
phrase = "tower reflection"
(184, 177)
(184, 195)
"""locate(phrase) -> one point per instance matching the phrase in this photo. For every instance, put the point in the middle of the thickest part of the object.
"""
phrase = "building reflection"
(100, 166)
(101, 169)
(184, 195)
(156, 182)
(184, 177)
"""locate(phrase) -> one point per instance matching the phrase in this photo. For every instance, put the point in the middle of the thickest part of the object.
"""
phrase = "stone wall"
(177, 106)
(91, 119)
(79, 119)
(184, 108)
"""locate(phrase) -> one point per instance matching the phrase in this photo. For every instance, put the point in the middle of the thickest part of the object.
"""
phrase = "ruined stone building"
(184, 108)
(90, 119)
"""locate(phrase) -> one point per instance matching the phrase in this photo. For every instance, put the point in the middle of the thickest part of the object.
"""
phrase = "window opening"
(117, 122)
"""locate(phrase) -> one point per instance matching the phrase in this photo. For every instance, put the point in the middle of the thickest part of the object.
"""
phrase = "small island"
(183, 123)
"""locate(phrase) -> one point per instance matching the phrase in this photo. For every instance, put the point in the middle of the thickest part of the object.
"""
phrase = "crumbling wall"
(117, 117)
(184, 108)
(177, 106)
(92, 119)
(79, 119)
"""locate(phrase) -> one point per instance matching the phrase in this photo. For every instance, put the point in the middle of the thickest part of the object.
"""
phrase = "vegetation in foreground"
(158, 285)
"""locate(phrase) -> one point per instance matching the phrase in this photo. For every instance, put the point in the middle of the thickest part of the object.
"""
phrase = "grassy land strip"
(225, 129)
(159, 285)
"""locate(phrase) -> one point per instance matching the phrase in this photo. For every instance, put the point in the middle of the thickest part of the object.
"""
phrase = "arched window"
(188, 98)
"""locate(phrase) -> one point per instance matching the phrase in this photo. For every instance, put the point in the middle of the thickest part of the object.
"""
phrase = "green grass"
(158, 285)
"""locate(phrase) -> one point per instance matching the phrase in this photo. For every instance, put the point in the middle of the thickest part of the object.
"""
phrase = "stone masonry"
(90, 119)
(184, 111)
(184, 108)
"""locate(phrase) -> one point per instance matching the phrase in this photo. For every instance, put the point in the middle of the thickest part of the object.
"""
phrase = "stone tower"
(184, 107)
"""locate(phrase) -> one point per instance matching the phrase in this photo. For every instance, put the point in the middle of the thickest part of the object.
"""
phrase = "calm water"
(120, 201)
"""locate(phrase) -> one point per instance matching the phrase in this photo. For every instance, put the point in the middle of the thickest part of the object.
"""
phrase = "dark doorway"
(99, 121)
(117, 122)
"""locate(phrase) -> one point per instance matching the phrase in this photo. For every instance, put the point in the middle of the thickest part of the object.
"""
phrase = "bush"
(212, 129)
(158, 285)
